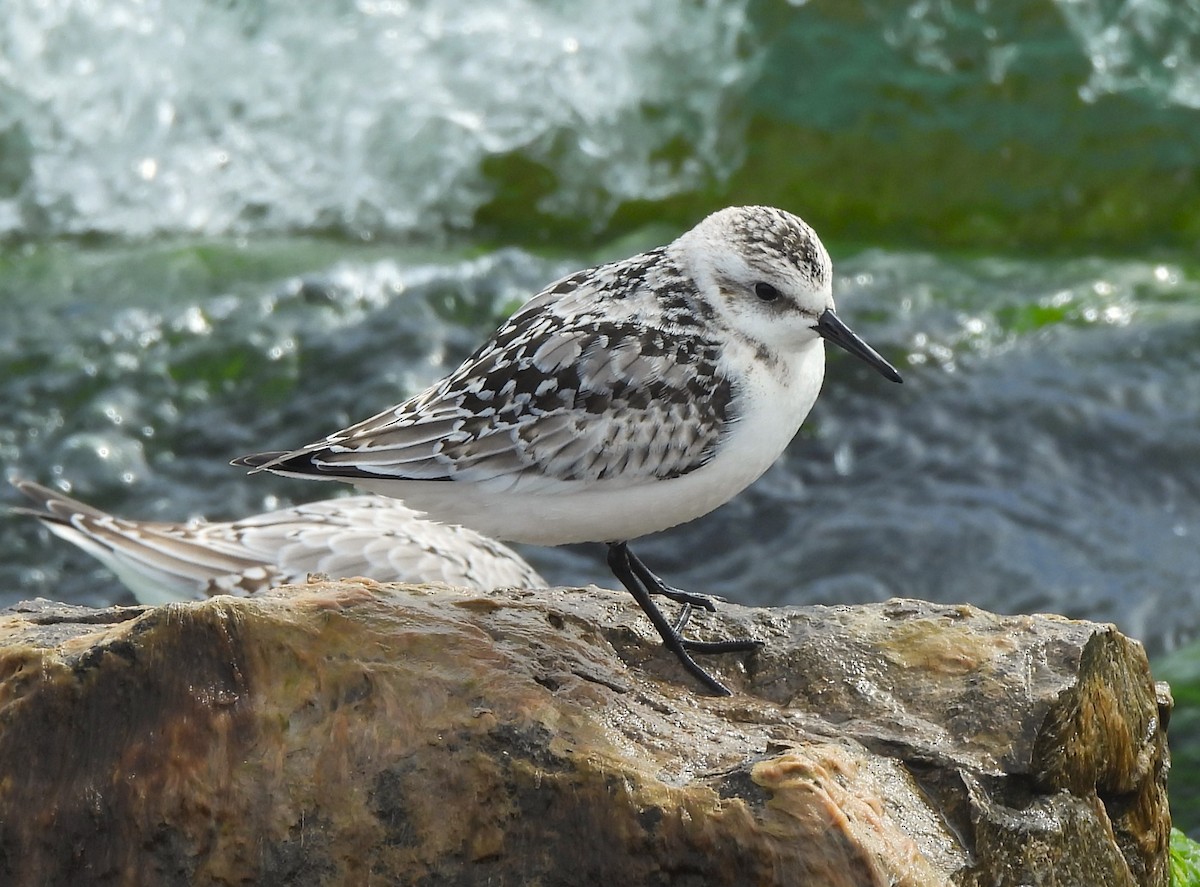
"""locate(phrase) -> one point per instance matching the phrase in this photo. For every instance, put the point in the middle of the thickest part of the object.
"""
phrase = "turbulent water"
(1035, 458)
(228, 226)
(140, 118)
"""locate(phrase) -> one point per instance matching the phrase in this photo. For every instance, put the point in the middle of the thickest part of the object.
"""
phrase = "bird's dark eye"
(765, 291)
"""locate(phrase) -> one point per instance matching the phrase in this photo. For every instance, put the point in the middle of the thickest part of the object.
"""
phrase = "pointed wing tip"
(50, 506)
(28, 487)
(257, 462)
(45, 498)
(27, 511)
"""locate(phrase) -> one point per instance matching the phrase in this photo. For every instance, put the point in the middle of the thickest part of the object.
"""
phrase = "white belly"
(770, 414)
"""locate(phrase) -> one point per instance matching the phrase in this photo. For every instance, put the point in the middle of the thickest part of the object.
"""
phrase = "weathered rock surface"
(353, 733)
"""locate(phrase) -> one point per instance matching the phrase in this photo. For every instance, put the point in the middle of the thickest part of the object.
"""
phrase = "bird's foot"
(733, 645)
(642, 583)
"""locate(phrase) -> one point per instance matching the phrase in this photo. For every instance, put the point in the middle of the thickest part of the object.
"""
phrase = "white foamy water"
(1149, 48)
(167, 116)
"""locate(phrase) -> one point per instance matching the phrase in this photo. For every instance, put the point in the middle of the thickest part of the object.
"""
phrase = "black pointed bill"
(831, 328)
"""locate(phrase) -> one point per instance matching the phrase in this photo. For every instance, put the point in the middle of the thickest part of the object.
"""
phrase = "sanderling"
(619, 401)
(367, 536)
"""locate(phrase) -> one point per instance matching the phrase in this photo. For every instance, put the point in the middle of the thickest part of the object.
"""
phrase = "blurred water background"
(231, 226)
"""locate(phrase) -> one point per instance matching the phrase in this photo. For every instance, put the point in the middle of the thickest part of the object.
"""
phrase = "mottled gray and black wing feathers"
(552, 397)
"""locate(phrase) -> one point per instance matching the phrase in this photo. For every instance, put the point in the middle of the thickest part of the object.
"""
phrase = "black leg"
(641, 583)
(654, 585)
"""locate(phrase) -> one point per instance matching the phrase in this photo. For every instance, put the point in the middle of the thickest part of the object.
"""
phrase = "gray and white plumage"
(369, 536)
(619, 401)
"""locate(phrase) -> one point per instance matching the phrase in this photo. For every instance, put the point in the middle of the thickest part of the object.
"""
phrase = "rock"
(349, 732)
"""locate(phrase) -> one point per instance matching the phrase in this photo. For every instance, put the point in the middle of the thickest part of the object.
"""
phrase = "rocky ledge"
(354, 733)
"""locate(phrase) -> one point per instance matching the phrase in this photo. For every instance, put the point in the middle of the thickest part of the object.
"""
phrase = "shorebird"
(370, 536)
(619, 401)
